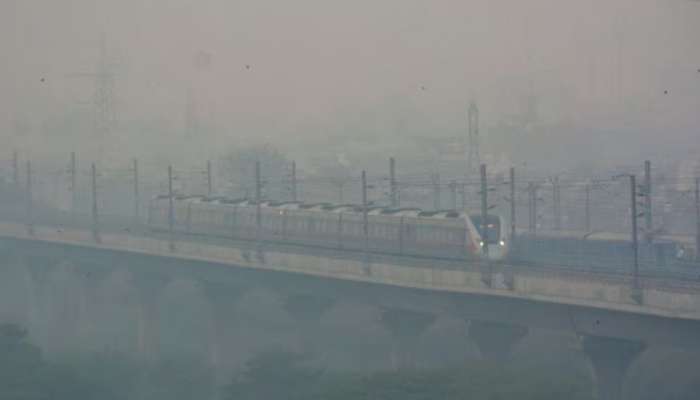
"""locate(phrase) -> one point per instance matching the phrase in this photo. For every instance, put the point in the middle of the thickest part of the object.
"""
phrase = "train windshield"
(493, 228)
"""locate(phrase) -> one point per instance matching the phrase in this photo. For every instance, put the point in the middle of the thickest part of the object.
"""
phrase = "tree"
(21, 366)
(274, 375)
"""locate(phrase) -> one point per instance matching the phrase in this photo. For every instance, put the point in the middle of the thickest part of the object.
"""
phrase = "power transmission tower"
(103, 98)
(473, 157)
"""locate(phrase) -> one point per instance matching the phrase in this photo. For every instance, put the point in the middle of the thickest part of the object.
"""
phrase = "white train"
(406, 231)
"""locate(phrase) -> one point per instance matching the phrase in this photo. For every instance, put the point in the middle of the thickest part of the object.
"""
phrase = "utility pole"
(95, 216)
(453, 195)
(365, 221)
(15, 169)
(473, 157)
(171, 211)
(209, 181)
(464, 196)
(532, 202)
(588, 208)
(73, 171)
(535, 214)
(512, 203)
(635, 239)
(392, 183)
(294, 181)
(484, 212)
(30, 211)
(697, 218)
(135, 171)
(648, 223)
(435, 180)
(556, 204)
(258, 200)
(530, 224)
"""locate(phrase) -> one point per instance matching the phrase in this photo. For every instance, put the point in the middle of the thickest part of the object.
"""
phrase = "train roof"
(325, 207)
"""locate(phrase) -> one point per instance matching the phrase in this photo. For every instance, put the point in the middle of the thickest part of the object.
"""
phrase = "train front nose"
(496, 251)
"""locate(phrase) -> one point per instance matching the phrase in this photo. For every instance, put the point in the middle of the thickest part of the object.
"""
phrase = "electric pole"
(365, 221)
(294, 181)
(648, 226)
(484, 212)
(697, 218)
(73, 171)
(532, 202)
(30, 217)
(435, 179)
(512, 203)
(15, 169)
(209, 179)
(530, 225)
(392, 183)
(95, 217)
(588, 208)
(171, 211)
(556, 204)
(635, 239)
(453, 194)
(135, 171)
(258, 200)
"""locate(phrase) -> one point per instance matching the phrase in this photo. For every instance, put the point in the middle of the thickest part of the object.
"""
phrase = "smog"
(349, 200)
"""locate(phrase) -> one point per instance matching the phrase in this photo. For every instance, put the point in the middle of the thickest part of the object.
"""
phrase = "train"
(444, 234)
(605, 250)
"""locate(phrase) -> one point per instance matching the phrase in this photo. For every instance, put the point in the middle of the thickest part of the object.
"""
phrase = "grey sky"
(313, 62)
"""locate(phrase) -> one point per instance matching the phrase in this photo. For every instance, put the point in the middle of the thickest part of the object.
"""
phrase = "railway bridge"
(615, 317)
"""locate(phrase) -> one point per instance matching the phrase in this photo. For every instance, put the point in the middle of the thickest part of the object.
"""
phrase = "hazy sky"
(279, 69)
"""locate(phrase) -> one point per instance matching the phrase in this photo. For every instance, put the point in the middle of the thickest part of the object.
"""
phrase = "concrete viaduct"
(613, 321)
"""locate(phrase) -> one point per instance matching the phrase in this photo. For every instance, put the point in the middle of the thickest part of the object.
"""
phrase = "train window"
(493, 227)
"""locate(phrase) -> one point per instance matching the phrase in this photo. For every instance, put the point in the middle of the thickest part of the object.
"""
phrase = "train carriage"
(445, 234)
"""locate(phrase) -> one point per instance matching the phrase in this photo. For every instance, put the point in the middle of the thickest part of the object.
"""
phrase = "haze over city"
(554, 80)
(349, 200)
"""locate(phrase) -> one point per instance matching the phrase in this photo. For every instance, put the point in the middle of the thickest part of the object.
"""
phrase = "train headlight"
(481, 244)
(502, 242)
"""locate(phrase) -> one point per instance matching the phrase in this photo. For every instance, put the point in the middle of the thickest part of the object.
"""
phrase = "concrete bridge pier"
(406, 329)
(307, 312)
(496, 341)
(67, 306)
(222, 300)
(148, 291)
(611, 359)
(21, 297)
